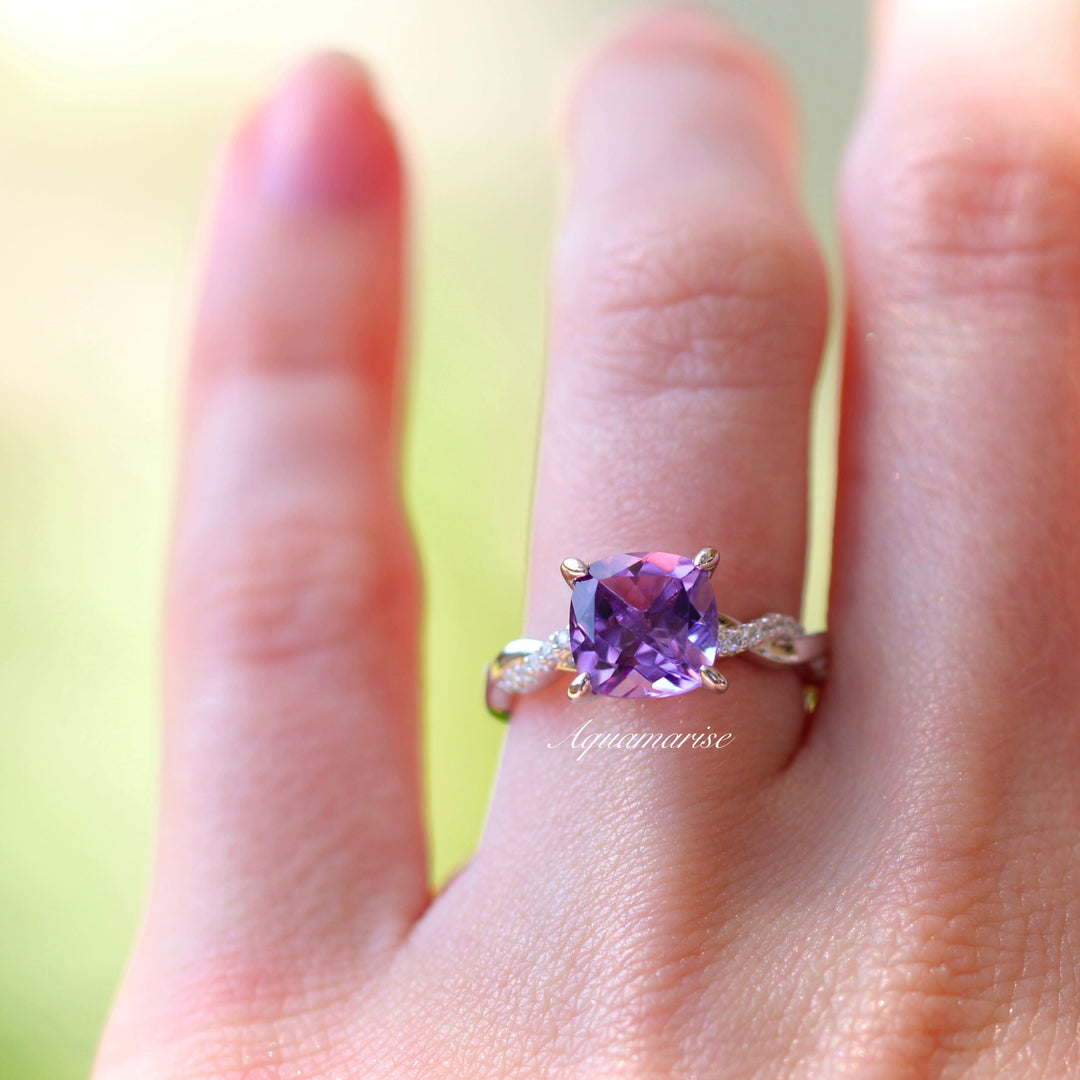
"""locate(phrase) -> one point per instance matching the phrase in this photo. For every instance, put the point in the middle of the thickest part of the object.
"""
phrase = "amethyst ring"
(645, 625)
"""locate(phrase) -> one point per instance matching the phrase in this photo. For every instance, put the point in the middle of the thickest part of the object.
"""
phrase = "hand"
(889, 890)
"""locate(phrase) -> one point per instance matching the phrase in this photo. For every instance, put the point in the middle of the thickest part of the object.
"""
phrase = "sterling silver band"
(528, 665)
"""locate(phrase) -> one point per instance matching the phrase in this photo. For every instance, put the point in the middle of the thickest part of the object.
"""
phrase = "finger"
(687, 319)
(290, 832)
(956, 561)
(688, 315)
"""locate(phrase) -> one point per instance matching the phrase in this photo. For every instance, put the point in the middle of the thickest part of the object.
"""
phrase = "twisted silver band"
(528, 665)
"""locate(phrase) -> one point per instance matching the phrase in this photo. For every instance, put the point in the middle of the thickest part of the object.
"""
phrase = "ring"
(645, 625)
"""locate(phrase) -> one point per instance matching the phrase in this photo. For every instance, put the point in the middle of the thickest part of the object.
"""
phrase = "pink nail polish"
(323, 142)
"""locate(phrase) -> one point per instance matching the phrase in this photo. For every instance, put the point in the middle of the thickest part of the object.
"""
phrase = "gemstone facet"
(643, 624)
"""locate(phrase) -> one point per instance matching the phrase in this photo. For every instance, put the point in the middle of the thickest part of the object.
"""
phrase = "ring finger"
(689, 309)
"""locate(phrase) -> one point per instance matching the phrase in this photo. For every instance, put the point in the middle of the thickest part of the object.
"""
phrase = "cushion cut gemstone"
(643, 624)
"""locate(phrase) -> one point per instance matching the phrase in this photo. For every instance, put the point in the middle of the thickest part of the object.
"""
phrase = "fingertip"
(322, 141)
(307, 230)
(681, 28)
(972, 42)
(680, 41)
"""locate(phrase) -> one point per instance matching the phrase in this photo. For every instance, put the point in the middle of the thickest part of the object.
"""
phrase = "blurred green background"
(111, 112)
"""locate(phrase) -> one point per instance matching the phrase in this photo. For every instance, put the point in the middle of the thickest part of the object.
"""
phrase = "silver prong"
(706, 559)
(580, 686)
(712, 680)
(573, 570)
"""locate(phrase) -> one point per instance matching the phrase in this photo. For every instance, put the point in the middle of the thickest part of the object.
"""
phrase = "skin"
(889, 891)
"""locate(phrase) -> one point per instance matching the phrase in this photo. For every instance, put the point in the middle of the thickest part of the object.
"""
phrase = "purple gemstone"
(643, 624)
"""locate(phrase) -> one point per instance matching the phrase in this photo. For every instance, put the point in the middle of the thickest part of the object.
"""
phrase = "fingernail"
(682, 27)
(323, 143)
